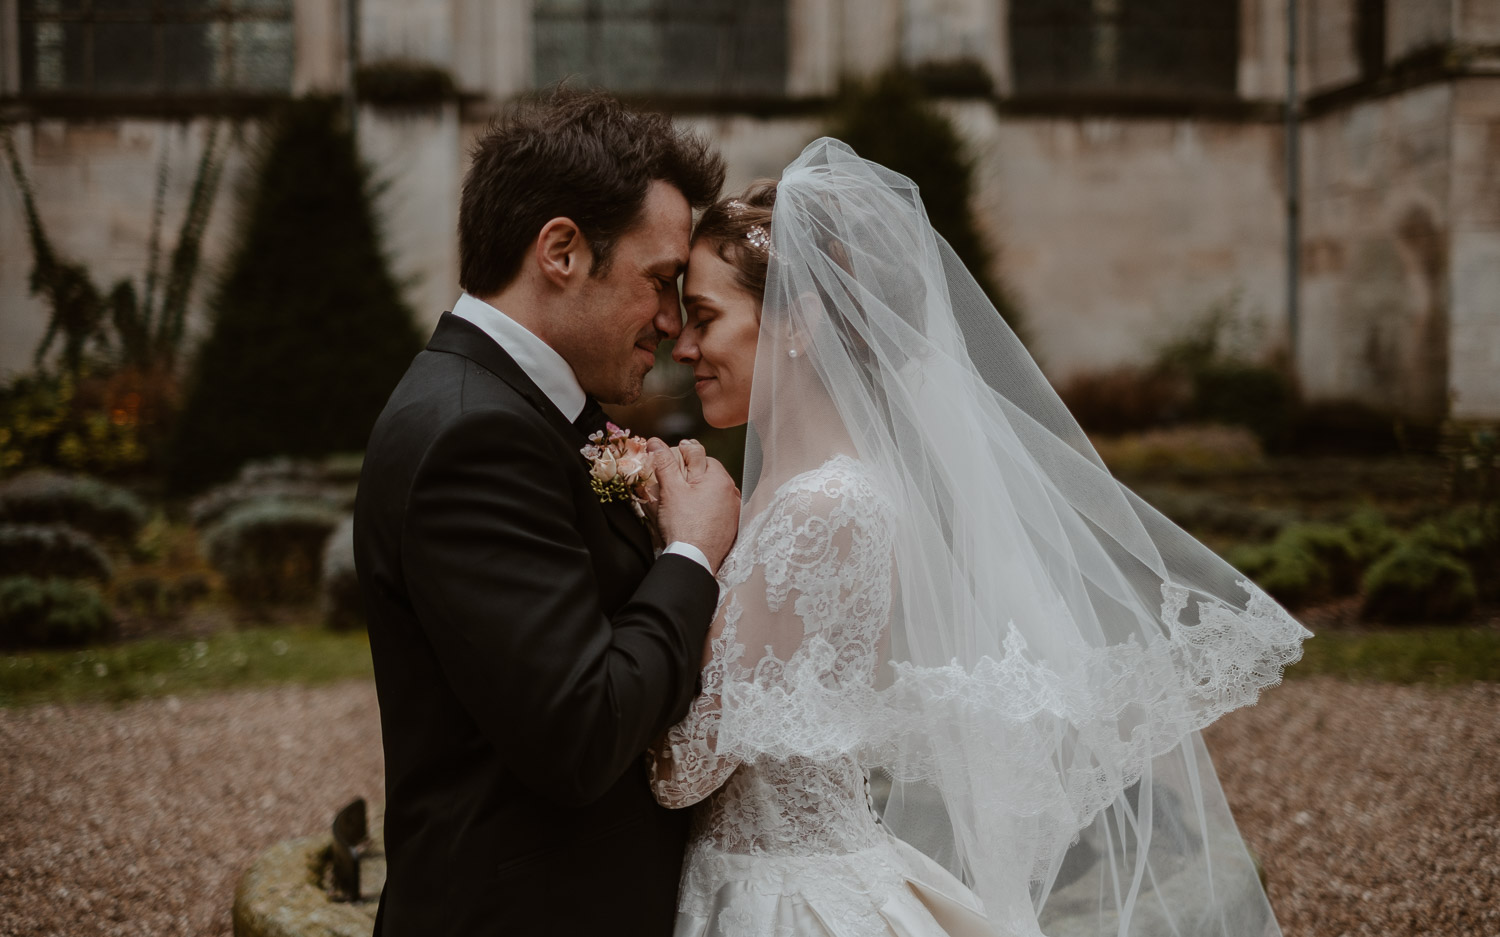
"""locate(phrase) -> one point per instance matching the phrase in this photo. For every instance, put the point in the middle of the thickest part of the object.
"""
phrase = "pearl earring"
(791, 353)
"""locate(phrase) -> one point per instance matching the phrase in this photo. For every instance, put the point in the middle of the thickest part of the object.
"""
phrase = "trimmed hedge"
(271, 550)
(330, 481)
(78, 501)
(51, 612)
(51, 550)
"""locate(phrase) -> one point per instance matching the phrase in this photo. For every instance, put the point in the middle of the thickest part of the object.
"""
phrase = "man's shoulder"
(444, 394)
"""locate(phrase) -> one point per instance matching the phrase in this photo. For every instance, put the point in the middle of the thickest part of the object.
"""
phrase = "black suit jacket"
(527, 649)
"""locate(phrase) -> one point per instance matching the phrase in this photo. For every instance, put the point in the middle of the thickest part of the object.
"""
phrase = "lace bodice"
(812, 571)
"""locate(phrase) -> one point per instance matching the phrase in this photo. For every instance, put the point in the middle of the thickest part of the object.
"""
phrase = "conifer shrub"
(77, 501)
(309, 331)
(51, 612)
(890, 121)
(51, 551)
(270, 551)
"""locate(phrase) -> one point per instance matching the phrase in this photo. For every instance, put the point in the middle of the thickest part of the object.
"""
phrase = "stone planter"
(284, 892)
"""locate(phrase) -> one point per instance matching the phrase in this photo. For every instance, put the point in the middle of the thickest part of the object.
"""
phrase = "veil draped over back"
(1054, 644)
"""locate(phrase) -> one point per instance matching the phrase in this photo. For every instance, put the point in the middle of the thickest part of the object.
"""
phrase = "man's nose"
(669, 317)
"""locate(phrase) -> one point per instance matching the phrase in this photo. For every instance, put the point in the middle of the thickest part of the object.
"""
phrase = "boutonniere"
(620, 468)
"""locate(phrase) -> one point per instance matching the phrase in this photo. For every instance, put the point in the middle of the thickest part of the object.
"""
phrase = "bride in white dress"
(938, 588)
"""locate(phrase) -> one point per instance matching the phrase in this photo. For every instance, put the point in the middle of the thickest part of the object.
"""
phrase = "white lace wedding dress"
(787, 847)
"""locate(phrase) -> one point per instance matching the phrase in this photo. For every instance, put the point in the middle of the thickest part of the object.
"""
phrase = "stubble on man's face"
(631, 307)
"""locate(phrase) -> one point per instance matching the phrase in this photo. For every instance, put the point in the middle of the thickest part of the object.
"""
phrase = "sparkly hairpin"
(757, 235)
(759, 238)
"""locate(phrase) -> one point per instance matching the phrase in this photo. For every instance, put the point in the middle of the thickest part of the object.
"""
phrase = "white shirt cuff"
(683, 548)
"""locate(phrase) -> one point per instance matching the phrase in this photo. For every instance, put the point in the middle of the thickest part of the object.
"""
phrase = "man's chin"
(623, 394)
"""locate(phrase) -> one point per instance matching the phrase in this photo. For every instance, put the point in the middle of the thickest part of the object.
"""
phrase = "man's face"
(621, 316)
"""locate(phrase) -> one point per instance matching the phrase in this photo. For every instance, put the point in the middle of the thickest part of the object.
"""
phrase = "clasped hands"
(693, 500)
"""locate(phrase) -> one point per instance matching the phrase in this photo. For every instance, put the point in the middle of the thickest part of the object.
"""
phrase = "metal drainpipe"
(1293, 184)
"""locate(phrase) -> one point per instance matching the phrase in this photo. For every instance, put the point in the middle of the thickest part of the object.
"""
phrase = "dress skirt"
(888, 890)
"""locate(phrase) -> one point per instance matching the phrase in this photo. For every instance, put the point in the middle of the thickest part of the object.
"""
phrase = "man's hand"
(699, 502)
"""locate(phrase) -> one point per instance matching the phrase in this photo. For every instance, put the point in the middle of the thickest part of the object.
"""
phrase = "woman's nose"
(686, 350)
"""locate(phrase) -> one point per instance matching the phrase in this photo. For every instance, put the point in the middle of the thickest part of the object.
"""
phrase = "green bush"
(1371, 536)
(1305, 563)
(1288, 571)
(44, 423)
(1261, 399)
(1220, 357)
(51, 550)
(309, 333)
(87, 504)
(343, 604)
(1471, 533)
(271, 551)
(1417, 581)
(51, 612)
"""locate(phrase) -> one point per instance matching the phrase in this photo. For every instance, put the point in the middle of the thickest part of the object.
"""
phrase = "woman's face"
(719, 338)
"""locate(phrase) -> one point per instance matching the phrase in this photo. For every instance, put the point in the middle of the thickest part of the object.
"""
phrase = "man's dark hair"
(570, 154)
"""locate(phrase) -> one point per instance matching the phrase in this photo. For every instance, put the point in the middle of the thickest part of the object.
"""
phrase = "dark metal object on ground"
(349, 833)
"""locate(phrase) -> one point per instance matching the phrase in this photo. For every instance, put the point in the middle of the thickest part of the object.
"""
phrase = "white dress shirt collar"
(547, 369)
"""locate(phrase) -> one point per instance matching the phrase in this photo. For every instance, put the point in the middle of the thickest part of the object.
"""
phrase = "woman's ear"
(562, 252)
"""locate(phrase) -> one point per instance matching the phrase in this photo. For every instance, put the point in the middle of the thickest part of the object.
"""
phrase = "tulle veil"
(1055, 645)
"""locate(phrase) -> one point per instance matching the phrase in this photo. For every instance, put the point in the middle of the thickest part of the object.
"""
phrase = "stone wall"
(1113, 231)
(1375, 252)
(95, 182)
(1474, 255)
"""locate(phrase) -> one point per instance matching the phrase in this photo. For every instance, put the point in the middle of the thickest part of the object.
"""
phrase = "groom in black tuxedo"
(528, 645)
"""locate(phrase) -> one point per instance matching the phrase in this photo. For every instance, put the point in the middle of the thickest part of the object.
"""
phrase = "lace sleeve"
(806, 596)
(684, 766)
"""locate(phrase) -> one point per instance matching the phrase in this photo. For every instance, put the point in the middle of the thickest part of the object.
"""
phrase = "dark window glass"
(1169, 48)
(686, 47)
(155, 47)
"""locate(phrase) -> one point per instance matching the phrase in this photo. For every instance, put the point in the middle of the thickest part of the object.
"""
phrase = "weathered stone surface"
(283, 892)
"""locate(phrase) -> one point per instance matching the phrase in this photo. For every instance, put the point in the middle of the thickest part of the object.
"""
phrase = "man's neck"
(518, 304)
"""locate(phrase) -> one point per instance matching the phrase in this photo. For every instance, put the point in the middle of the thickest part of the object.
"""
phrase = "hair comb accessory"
(758, 237)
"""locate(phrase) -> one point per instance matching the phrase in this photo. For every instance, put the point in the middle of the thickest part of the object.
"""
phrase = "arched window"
(1151, 48)
(155, 47)
(671, 47)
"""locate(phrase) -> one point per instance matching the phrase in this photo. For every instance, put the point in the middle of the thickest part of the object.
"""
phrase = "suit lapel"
(461, 337)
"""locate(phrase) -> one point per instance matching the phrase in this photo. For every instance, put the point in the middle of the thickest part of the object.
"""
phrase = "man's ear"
(562, 252)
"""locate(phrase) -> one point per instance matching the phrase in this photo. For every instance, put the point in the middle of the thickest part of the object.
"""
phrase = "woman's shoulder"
(842, 485)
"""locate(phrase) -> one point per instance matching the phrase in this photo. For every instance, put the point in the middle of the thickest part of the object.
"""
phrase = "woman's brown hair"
(728, 225)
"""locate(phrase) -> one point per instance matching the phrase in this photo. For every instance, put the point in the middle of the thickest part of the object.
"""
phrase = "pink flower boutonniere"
(620, 468)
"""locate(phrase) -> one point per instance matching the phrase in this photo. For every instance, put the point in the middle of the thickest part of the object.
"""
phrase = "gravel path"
(1376, 808)
(139, 820)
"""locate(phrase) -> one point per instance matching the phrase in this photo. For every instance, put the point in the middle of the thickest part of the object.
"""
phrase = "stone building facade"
(1131, 153)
